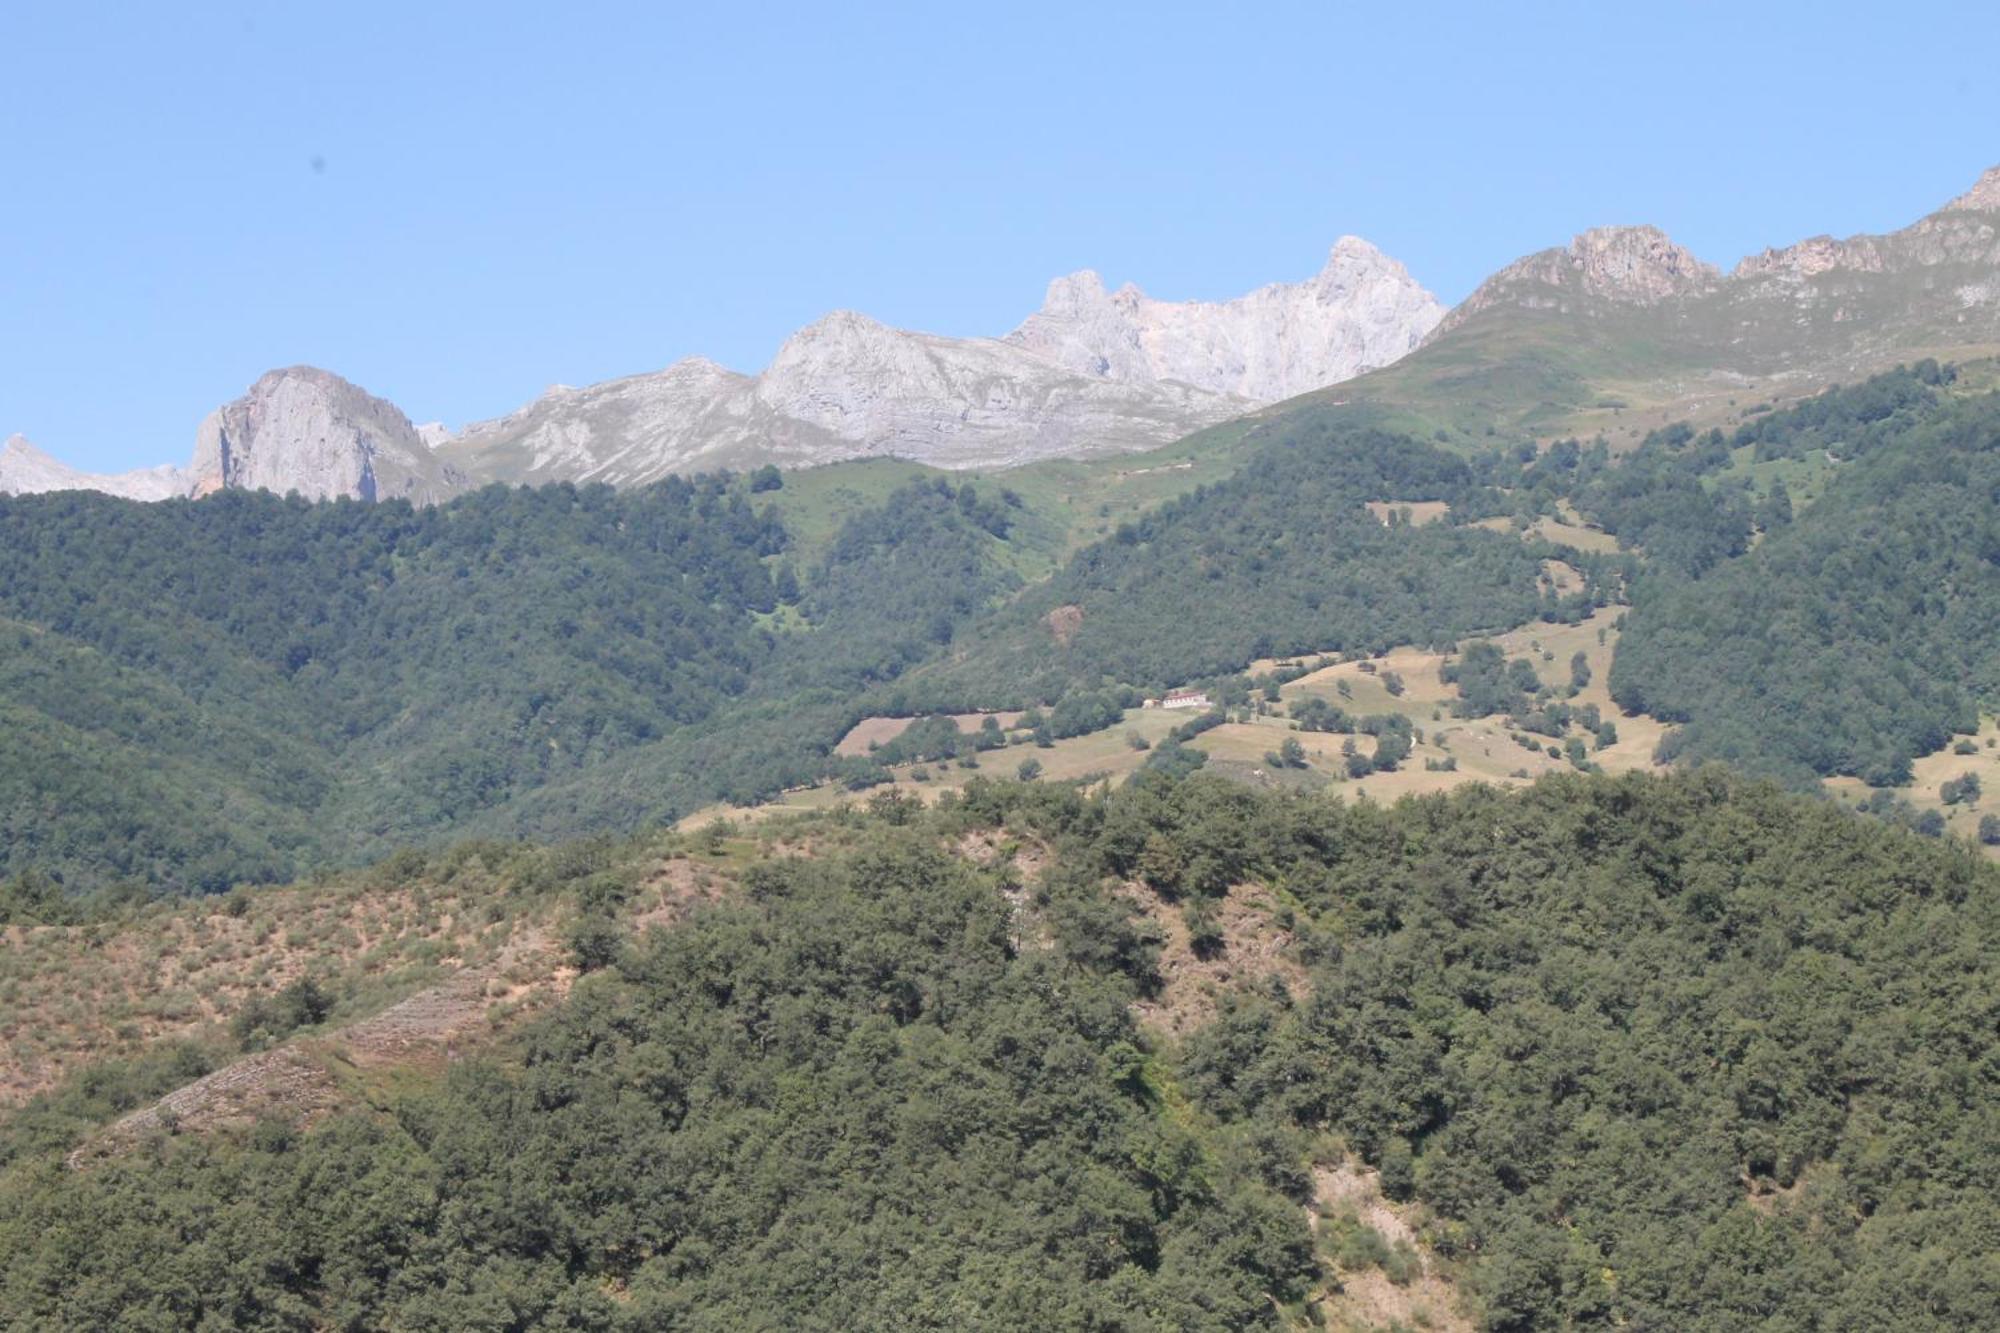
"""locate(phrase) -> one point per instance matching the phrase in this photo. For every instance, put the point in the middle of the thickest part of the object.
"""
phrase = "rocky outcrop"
(26, 470)
(1362, 310)
(1983, 197)
(1620, 266)
(1844, 305)
(310, 431)
(627, 431)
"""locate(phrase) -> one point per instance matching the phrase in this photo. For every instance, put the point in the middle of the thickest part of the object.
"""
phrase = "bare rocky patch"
(1064, 622)
(1410, 1291)
(1254, 948)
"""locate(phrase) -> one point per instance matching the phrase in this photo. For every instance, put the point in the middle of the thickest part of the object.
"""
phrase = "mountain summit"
(1622, 330)
(1634, 266)
(308, 430)
(1362, 310)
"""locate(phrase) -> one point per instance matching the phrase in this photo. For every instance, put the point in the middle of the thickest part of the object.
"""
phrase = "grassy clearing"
(1416, 512)
(1558, 531)
(1482, 749)
(1930, 773)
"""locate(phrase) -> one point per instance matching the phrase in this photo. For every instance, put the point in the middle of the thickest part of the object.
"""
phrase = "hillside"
(1622, 332)
(1634, 1052)
(1859, 635)
(242, 687)
(1283, 557)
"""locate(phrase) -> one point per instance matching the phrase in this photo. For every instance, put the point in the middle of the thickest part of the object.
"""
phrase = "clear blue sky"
(457, 205)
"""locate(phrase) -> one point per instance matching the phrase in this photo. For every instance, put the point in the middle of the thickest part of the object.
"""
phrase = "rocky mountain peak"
(1074, 294)
(1628, 265)
(27, 470)
(1810, 258)
(1983, 197)
(308, 430)
(1360, 311)
(1092, 372)
(1639, 264)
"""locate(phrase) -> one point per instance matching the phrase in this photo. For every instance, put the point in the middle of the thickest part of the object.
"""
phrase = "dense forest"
(1862, 632)
(1678, 1053)
(201, 693)
(194, 694)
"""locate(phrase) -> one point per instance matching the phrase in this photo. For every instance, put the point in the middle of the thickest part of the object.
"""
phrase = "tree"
(1029, 770)
(1579, 671)
(1776, 511)
(1989, 830)
(595, 941)
(766, 478)
(1962, 790)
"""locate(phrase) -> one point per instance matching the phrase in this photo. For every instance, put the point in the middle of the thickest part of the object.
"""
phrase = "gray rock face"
(310, 431)
(1363, 310)
(26, 470)
(1091, 373)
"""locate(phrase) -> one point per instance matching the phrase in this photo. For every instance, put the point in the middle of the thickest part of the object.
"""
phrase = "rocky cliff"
(310, 431)
(1934, 282)
(1629, 266)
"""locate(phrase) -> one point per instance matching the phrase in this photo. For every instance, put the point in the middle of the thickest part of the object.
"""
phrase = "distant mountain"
(1622, 330)
(299, 429)
(310, 431)
(26, 470)
(1091, 373)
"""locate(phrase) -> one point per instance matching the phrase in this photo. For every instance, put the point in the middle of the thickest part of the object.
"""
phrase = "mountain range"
(1093, 372)
(1097, 372)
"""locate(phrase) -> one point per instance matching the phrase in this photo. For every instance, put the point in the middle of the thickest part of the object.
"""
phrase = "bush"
(265, 1021)
(595, 941)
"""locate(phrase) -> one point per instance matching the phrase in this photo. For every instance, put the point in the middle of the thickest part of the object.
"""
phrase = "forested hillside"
(1665, 1053)
(1859, 634)
(1284, 557)
(199, 693)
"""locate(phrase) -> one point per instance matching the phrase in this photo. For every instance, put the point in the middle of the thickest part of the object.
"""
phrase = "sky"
(457, 205)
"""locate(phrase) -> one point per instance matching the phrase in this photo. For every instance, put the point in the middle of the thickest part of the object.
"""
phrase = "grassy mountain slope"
(1535, 354)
